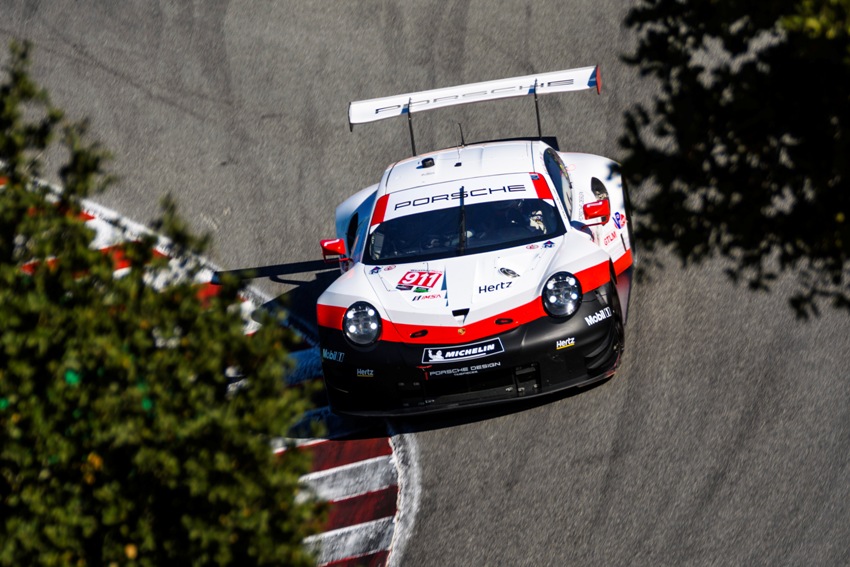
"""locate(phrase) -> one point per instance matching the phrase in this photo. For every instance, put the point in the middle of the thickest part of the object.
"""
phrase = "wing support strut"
(537, 110)
(410, 126)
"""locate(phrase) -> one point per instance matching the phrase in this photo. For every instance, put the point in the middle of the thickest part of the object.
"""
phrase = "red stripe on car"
(622, 263)
(540, 185)
(330, 316)
(380, 210)
(591, 278)
(400, 332)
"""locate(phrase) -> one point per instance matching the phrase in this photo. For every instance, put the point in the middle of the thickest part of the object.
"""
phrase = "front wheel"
(605, 358)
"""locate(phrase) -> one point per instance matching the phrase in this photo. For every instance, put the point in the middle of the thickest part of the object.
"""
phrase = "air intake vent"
(460, 314)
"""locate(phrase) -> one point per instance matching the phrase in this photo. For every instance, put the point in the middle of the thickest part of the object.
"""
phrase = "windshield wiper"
(461, 244)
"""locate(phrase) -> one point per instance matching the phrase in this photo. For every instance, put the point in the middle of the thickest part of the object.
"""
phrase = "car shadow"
(465, 416)
(296, 308)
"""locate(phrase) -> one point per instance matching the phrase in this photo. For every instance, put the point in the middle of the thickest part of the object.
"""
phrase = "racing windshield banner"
(460, 353)
(447, 195)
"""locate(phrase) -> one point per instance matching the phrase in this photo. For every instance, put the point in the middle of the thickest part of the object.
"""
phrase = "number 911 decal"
(420, 281)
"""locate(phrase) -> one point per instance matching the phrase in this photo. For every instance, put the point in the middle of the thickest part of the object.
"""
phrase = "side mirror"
(597, 210)
(333, 247)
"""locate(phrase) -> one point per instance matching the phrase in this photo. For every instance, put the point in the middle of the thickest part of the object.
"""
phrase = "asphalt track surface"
(725, 437)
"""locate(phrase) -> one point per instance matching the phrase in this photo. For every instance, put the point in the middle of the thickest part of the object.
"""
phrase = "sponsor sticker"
(565, 343)
(600, 315)
(448, 355)
(375, 270)
(422, 280)
(365, 373)
(532, 247)
(333, 355)
(494, 287)
(609, 239)
(548, 244)
(464, 370)
(425, 296)
(619, 220)
(580, 215)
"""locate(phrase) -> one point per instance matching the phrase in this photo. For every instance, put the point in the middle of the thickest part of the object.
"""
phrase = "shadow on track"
(296, 309)
(465, 416)
(298, 305)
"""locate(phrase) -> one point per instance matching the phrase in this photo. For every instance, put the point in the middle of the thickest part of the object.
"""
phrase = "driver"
(535, 220)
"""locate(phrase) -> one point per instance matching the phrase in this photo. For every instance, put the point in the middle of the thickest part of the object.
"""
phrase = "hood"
(463, 289)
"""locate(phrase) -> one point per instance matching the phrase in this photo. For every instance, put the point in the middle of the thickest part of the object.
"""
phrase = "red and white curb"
(359, 480)
(371, 484)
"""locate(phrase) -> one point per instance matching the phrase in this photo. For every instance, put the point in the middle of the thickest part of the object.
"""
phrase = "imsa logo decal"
(462, 352)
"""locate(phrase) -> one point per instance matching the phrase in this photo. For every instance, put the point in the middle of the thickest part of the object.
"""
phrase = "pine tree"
(136, 418)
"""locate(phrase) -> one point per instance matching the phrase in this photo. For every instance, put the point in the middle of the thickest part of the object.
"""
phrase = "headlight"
(561, 295)
(361, 324)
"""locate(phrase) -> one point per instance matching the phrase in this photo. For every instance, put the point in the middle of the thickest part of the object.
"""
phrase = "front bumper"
(541, 357)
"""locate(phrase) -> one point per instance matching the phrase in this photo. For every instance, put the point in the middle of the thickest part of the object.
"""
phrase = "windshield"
(436, 234)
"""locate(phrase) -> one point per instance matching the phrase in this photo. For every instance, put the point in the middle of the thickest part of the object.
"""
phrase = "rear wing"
(371, 110)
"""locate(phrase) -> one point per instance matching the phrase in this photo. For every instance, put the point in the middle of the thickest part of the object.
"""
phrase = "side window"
(350, 234)
(356, 234)
(558, 172)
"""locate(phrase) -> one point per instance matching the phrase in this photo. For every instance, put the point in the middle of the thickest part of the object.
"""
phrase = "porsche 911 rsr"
(478, 274)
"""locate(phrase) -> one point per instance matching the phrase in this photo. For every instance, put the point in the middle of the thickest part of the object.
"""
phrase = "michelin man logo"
(435, 355)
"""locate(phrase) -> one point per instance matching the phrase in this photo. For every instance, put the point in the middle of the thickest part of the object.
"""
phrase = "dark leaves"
(743, 151)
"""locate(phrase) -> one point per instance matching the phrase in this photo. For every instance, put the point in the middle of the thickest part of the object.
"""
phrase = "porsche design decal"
(464, 370)
(449, 355)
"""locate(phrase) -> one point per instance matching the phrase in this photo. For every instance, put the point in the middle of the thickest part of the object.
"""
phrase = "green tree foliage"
(744, 151)
(123, 440)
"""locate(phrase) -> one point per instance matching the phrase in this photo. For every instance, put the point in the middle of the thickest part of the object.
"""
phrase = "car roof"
(462, 162)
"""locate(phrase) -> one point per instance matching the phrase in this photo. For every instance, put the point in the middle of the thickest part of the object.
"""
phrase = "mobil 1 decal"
(420, 281)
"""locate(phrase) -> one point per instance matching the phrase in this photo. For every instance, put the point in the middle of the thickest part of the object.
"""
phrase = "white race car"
(477, 274)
